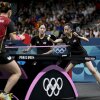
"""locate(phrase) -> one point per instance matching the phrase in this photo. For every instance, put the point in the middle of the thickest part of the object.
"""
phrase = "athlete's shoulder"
(5, 20)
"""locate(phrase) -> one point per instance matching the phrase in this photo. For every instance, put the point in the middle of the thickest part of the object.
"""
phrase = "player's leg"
(15, 72)
(93, 70)
(69, 67)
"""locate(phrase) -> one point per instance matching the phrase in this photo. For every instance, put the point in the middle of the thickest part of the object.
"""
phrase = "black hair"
(4, 7)
(69, 24)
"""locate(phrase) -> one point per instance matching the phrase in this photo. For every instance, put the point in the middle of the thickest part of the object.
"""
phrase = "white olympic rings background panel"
(53, 84)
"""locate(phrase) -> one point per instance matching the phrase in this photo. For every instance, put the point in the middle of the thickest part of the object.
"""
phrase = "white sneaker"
(4, 96)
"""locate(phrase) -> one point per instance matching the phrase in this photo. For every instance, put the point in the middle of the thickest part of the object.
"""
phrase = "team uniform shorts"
(5, 58)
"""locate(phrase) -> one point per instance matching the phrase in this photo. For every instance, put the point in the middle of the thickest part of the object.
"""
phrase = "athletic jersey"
(75, 48)
(6, 27)
(75, 45)
(41, 42)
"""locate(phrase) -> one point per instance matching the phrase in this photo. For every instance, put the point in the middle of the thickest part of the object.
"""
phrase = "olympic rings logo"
(59, 50)
(52, 86)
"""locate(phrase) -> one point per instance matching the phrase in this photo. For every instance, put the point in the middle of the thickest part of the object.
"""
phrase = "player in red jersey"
(6, 62)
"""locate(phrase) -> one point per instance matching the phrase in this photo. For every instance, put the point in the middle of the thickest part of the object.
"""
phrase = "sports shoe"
(4, 96)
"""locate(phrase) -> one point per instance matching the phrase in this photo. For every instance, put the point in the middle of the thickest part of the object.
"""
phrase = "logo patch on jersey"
(74, 40)
(9, 57)
(44, 42)
(37, 41)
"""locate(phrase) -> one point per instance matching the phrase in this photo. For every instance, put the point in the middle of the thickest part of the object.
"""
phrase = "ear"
(9, 13)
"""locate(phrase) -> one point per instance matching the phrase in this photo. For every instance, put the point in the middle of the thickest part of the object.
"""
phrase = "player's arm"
(22, 36)
(31, 44)
(58, 41)
(13, 36)
(81, 37)
(27, 49)
(54, 41)
(11, 31)
(47, 53)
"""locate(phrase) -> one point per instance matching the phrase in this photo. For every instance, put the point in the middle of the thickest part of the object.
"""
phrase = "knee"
(19, 73)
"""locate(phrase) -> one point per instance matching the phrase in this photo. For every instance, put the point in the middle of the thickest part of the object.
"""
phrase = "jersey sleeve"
(11, 28)
(78, 34)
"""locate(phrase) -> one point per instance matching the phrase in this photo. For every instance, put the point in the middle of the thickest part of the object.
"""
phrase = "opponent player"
(41, 40)
(74, 40)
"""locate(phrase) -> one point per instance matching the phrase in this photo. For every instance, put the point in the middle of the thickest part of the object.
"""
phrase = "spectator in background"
(25, 37)
(25, 41)
(91, 33)
(87, 33)
(80, 13)
(82, 32)
(55, 32)
(96, 33)
(48, 32)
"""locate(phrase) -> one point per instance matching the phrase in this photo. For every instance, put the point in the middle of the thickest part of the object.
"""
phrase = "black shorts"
(5, 58)
(81, 59)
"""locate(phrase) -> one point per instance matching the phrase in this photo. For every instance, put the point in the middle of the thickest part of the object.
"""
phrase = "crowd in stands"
(54, 14)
